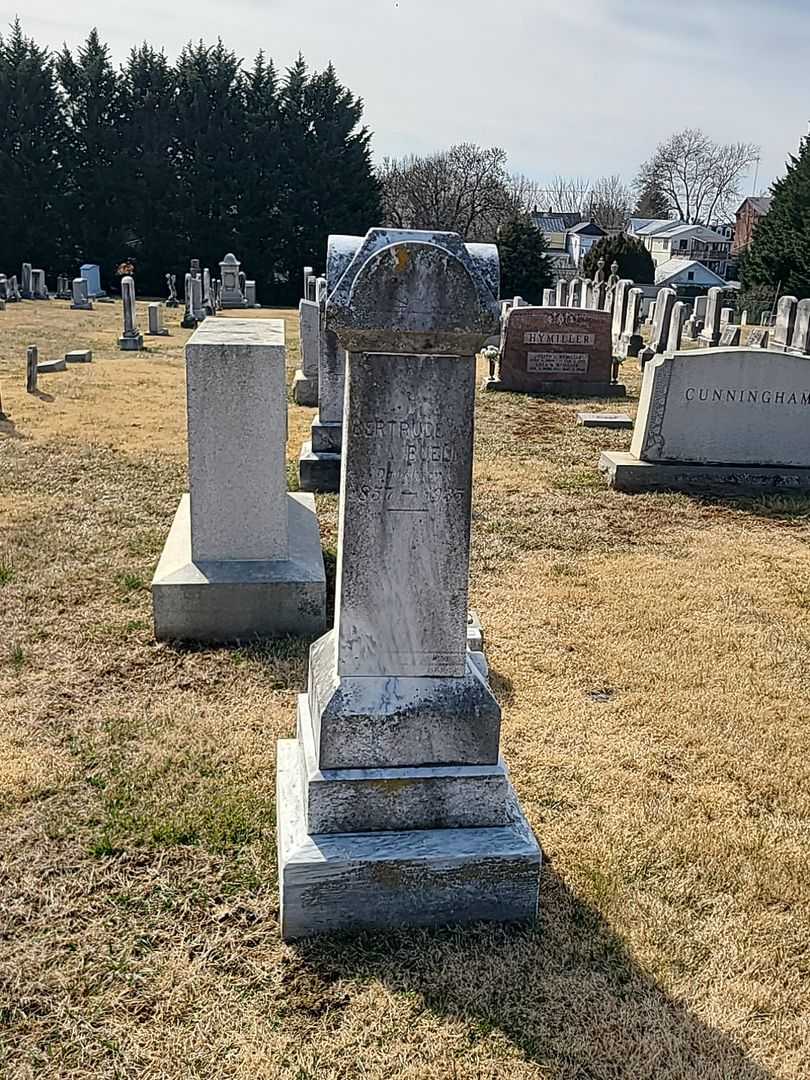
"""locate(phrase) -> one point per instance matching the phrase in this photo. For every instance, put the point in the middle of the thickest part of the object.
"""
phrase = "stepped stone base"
(626, 473)
(384, 880)
(134, 343)
(318, 471)
(305, 390)
(241, 600)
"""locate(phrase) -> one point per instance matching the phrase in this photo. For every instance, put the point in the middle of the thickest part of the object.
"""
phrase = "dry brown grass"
(650, 654)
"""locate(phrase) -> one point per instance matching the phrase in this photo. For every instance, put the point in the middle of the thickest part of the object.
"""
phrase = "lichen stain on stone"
(402, 255)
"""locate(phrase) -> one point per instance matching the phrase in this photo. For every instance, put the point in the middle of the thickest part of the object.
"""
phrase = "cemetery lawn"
(651, 657)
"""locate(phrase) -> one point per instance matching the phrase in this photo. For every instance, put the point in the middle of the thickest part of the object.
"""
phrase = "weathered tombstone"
(132, 339)
(48, 367)
(156, 327)
(650, 315)
(719, 418)
(31, 369)
(80, 301)
(197, 306)
(659, 336)
(600, 296)
(91, 273)
(782, 336)
(171, 284)
(730, 336)
(189, 321)
(562, 294)
(630, 342)
(800, 343)
(207, 300)
(612, 284)
(232, 295)
(758, 338)
(548, 298)
(195, 268)
(4, 288)
(393, 805)
(726, 315)
(243, 558)
(675, 331)
(599, 276)
(25, 282)
(701, 304)
(620, 294)
(305, 381)
(39, 290)
(63, 287)
(319, 461)
(13, 290)
(586, 297)
(575, 293)
(691, 328)
(565, 351)
(308, 272)
(79, 356)
(710, 334)
(250, 294)
(744, 319)
(518, 301)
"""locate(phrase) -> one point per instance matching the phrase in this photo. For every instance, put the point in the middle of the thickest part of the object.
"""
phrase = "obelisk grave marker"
(394, 807)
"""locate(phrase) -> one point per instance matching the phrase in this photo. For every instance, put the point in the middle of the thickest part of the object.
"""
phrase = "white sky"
(576, 87)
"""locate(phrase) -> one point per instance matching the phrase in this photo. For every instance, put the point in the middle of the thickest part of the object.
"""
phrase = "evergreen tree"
(211, 141)
(780, 251)
(261, 225)
(635, 262)
(95, 166)
(525, 266)
(652, 202)
(150, 189)
(32, 139)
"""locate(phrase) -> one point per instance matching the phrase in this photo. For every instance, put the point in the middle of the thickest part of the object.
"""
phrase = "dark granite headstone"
(558, 351)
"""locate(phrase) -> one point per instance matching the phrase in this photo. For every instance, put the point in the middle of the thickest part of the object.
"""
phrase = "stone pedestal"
(393, 804)
(243, 559)
(319, 462)
(156, 327)
(305, 382)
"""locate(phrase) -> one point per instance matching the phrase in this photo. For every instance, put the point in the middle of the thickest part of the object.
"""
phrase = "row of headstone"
(320, 458)
(791, 332)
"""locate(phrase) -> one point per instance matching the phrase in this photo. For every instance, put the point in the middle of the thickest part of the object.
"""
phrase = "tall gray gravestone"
(26, 291)
(31, 369)
(675, 331)
(132, 339)
(562, 294)
(305, 381)
(630, 341)
(319, 460)
(664, 303)
(81, 301)
(243, 558)
(394, 806)
(782, 335)
(710, 334)
(800, 342)
(620, 294)
(232, 295)
(156, 327)
(548, 297)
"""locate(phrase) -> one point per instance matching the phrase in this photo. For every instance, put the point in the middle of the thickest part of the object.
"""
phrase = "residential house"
(749, 215)
(666, 240)
(688, 273)
(569, 239)
(580, 240)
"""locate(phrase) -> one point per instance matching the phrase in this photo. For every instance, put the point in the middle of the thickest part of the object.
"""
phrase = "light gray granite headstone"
(231, 294)
(710, 334)
(782, 336)
(676, 321)
(623, 287)
(132, 339)
(156, 327)
(562, 293)
(549, 298)
(80, 301)
(305, 383)
(800, 343)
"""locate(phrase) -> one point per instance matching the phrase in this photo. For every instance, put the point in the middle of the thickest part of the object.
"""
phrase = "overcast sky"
(575, 87)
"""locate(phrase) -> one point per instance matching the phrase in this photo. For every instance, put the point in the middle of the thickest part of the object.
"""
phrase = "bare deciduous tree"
(465, 189)
(699, 177)
(607, 200)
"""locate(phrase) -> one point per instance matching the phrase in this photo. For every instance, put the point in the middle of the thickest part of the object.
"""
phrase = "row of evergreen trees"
(155, 163)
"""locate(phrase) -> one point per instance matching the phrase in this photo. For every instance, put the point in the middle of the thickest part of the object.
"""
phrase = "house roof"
(760, 203)
(555, 222)
(675, 267)
(589, 228)
(644, 226)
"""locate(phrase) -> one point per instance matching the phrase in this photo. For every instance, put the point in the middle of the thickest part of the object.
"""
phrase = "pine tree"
(212, 136)
(780, 251)
(262, 165)
(635, 262)
(96, 172)
(652, 202)
(525, 266)
(150, 189)
(32, 175)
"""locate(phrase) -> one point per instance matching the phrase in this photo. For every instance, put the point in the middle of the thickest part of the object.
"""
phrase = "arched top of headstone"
(230, 260)
(408, 291)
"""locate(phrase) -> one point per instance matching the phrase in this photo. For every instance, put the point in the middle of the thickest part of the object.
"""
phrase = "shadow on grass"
(8, 429)
(43, 396)
(782, 506)
(566, 992)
